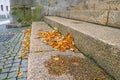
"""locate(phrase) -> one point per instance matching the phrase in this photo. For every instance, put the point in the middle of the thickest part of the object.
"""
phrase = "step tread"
(100, 43)
(103, 33)
(37, 62)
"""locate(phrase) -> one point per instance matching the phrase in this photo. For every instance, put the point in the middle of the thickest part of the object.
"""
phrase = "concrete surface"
(100, 43)
(36, 62)
(94, 16)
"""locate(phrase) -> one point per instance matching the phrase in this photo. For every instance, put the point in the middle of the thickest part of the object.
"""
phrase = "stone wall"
(16, 3)
(98, 5)
(50, 6)
(105, 12)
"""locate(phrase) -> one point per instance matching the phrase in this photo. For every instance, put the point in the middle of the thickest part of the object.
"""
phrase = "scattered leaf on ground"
(20, 73)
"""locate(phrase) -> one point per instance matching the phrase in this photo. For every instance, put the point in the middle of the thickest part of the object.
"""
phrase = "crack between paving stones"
(12, 52)
(17, 43)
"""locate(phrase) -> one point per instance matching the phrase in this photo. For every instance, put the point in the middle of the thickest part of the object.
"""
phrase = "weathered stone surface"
(38, 71)
(3, 76)
(102, 6)
(97, 42)
(35, 44)
(94, 16)
(16, 25)
(63, 14)
(114, 4)
(114, 19)
(9, 49)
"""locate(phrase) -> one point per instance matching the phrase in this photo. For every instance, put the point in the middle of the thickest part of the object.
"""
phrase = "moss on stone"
(36, 13)
(22, 14)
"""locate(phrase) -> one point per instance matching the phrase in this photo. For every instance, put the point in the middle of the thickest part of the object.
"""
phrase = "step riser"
(104, 54)
(103, 17)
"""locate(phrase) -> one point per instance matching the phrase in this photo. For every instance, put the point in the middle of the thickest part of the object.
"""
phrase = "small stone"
(5, 70)
(23, 69)
(9, 62)
(12, 79)
(12, 74)
(17, 60)
(22, 78)
(16, 64)
(7, 65)
(3, 76)
(14, 69)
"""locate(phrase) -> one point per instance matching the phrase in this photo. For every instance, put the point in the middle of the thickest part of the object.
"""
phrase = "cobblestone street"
(10, 49)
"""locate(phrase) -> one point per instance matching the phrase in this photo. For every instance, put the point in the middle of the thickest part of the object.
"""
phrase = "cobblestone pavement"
(10, 44)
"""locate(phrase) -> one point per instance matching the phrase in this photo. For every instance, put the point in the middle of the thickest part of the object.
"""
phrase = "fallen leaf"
(20, 73)
(38, 51)
(97, 79)
(56, 58)
(22, 55)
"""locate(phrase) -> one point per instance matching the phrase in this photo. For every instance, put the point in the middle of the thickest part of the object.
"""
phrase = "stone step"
(104, 17)
(69, 66)
(102, 44)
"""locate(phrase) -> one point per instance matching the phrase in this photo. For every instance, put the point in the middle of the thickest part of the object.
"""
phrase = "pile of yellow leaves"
(56, 40)
(25, 43)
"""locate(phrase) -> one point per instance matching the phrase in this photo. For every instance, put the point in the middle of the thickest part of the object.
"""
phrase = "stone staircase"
(94, 25)
(79, 67)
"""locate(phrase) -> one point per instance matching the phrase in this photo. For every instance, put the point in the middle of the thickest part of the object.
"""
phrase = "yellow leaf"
(20, 73)
(56, 58)
(38, 51)
(22, 55)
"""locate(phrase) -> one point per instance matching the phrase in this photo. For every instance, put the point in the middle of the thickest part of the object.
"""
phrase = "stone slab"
(114, 19)
(35, 43)
(100, 43)
(94, 16)
(38, 71)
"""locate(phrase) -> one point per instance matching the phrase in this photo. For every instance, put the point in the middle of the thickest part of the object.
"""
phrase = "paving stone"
(1, 66)
(24, 63)
(8, 53)
(5, 70)
(14, 69)
(7, 65)
(1, 63)
(4, 60)
(11, 57)
(9, 61)
(3, 75)
(22, 79)
(12, 79)
(16, 57)
(12, 74)
(16, 64)
(17, 60)
(24, 69)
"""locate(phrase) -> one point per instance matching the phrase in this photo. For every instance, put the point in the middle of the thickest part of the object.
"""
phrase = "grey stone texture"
(36, 66)
(114, 19)
(35, 43)
(50, 6)
(97, 42)
(104, 17)
(95, 11)
(3, 76)
(9, 62)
